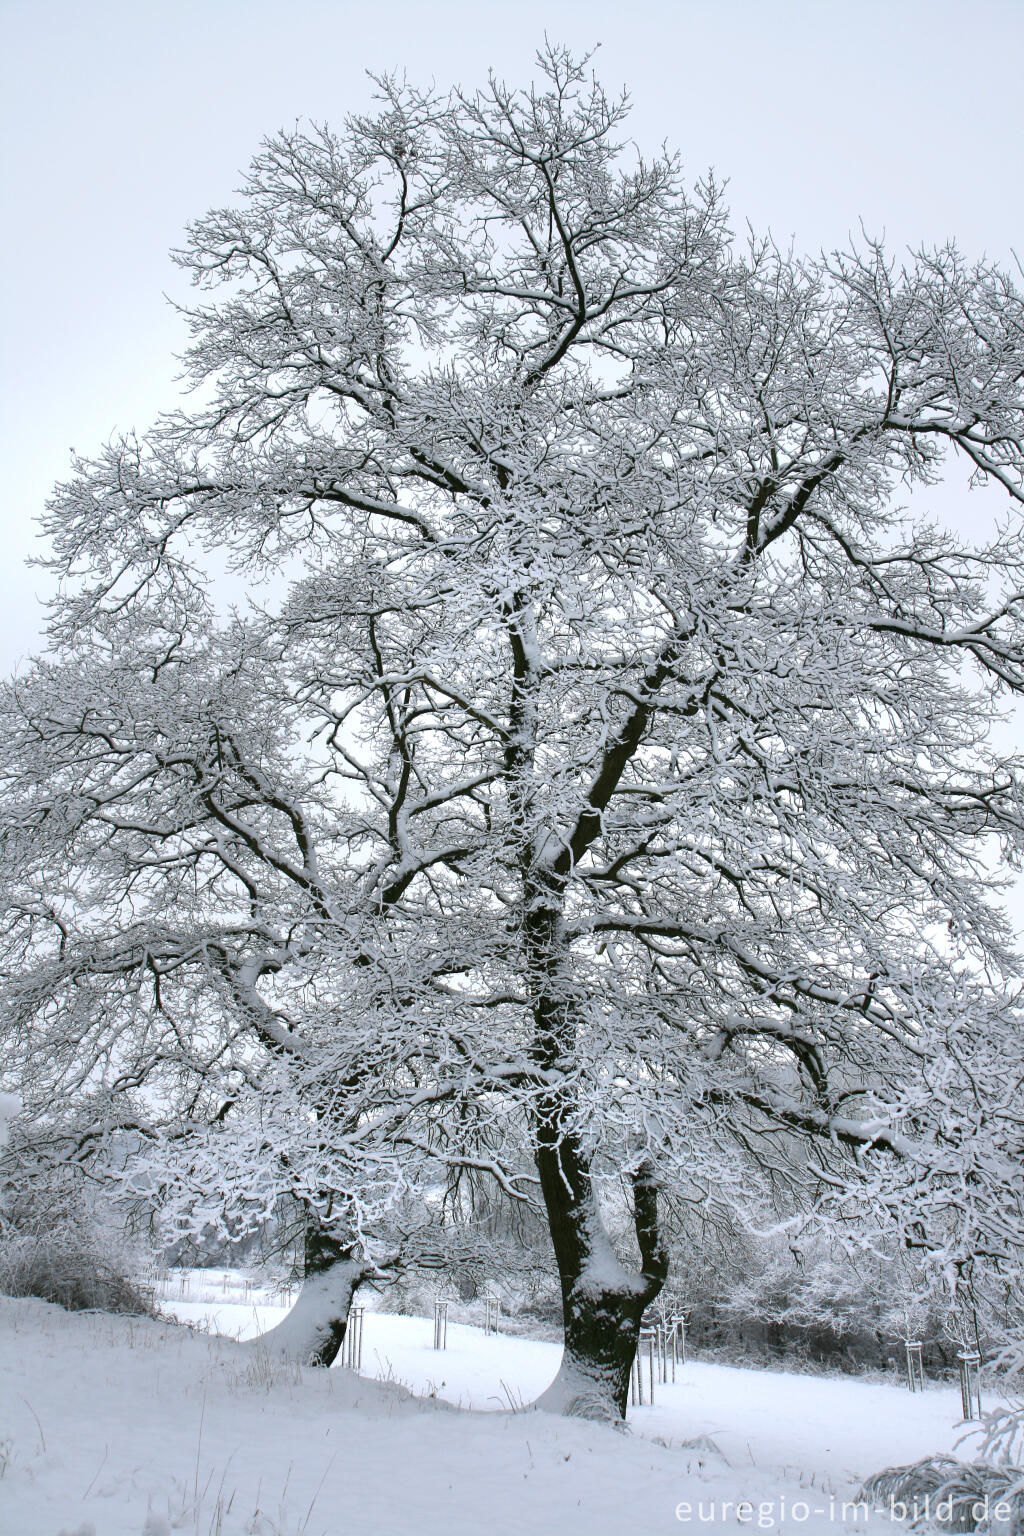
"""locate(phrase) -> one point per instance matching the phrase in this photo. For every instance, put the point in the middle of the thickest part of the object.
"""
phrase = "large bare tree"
(616, 767)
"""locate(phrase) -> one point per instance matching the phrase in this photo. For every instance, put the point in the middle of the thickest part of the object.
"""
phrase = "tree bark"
(602, 1301)
(314, 1330)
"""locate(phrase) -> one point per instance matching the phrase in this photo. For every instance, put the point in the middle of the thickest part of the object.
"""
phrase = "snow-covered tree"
(196, 1014)
(616, 767)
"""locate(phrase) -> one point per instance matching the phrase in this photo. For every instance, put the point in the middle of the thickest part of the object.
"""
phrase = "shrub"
(69, 1263)
(954, 1493)
(56, 1242)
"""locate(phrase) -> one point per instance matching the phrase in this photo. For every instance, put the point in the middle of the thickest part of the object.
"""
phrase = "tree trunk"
(602, 1301)
(314, 1330)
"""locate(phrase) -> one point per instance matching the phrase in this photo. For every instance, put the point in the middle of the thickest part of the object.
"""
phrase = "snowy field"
(125, 1428)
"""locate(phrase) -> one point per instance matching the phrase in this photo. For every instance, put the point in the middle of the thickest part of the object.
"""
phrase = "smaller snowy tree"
(186, 1013)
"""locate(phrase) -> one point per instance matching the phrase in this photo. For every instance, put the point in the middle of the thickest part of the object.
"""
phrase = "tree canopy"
(606, 770)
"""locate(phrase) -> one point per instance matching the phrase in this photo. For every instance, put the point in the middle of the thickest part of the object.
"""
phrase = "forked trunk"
(314, 1330)
(602, 1301)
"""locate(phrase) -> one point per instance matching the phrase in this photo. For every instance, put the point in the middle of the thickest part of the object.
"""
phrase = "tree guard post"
(678, 1339)
(353, 1357)
(648, 1341)
(970, 1387)
(915, 1366)
(493, 1316)
(440, 1325)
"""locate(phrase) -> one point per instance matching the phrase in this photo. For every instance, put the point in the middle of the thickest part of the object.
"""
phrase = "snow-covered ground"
(130, 1428)
(840, 1426)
